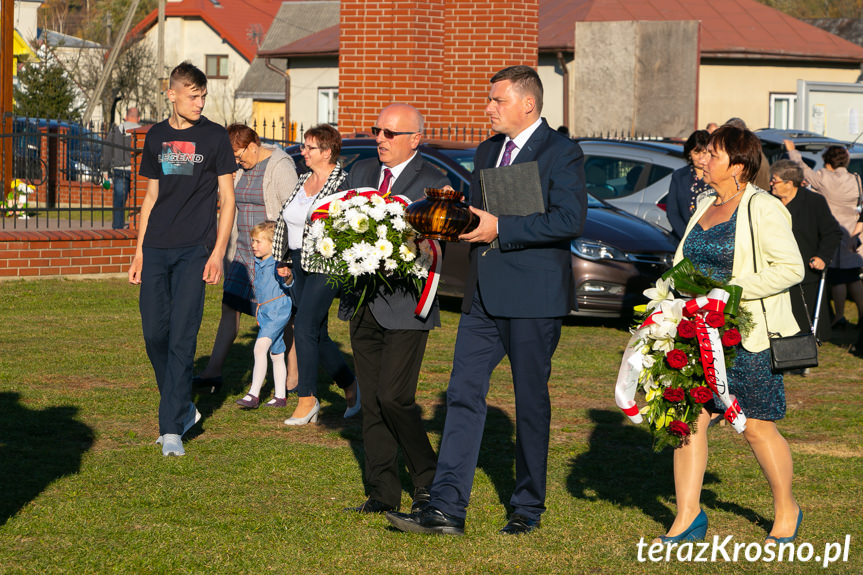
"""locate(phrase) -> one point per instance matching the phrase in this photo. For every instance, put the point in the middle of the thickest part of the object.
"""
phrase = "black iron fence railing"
(61, 178)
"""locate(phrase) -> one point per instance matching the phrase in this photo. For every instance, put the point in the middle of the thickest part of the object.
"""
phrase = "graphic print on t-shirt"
(179, 158)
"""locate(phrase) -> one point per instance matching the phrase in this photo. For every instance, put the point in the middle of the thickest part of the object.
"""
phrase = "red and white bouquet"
(362, 238)
(685, 339)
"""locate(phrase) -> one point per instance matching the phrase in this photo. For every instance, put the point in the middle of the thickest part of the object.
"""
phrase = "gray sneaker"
(172, 444)
(193, 417)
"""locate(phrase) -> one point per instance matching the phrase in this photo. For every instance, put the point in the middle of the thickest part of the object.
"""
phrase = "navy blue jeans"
(481, 343)
(313, 298)
(172, 304)
(122, 182)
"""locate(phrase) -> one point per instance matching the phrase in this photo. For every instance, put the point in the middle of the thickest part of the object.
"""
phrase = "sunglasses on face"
(389, 134)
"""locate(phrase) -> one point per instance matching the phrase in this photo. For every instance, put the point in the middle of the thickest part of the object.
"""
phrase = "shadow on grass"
(236, 377)
(496, 452)
(621, 467)
(37, 448)
(496, 455)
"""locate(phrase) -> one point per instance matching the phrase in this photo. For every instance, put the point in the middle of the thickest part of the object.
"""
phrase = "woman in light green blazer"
(719, 241)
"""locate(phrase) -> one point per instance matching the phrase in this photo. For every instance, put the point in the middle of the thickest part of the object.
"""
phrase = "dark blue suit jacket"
(530, 276)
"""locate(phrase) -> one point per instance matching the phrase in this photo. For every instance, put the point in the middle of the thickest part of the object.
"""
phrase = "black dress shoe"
(211, 384)
(429, 520)
(421, 499)
(519, 524)
(372, 506)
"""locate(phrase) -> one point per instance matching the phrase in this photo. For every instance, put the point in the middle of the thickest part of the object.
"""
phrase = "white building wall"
(194, 40)
(26, 19)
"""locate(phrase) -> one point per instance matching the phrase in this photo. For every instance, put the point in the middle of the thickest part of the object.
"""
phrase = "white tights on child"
(259, 372)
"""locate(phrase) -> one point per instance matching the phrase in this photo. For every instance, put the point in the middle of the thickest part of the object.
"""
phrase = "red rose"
(701, 394)
(679, 429)
(674, 394)
(686, 329)
(715, 319)
(676, 358)
(731, 338)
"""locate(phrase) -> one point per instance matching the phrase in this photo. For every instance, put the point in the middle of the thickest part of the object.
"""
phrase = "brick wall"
(62, 253)
(437, 55)
(26, 253)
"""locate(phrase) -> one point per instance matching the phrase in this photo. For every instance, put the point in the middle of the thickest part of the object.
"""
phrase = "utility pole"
(7, 24)
(160, 62)
(112, 59)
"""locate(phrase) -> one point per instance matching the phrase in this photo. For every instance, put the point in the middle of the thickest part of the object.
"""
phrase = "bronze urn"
(441, 215)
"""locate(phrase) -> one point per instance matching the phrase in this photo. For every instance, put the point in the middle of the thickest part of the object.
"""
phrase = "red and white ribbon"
(430, 288)
(713, 362)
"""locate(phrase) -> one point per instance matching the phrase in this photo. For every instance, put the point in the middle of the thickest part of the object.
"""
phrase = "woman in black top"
(817, 233)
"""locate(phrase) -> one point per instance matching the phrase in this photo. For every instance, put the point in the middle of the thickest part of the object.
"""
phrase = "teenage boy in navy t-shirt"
(189, 163)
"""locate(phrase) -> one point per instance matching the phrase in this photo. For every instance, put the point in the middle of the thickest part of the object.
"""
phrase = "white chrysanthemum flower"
(383, 248)
(356, 201)
(377, 201)
(390, 264)
(377, 213)
(399, 224)
(316, 230)
(336, 208)
(369, 265)
(354, 269)
(364, 251)
(350, 254)
(407, 252)
(395, 208)
(326, 247)
(358, 221)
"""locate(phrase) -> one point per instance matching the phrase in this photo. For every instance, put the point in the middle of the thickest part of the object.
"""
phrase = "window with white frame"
(782, 111)
(217, 66)
(328, 106)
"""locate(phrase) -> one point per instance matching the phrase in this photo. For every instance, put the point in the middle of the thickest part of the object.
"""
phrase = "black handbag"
(792, 352)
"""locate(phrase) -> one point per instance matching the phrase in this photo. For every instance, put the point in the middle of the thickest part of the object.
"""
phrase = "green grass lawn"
(83, 488)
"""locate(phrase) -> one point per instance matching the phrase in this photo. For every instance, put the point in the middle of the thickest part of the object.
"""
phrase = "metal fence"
(58, 179)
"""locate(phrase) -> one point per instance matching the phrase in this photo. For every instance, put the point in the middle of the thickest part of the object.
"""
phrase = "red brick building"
(437, 55)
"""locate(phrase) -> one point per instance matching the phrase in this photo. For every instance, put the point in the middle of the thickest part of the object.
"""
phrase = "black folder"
(513, 190)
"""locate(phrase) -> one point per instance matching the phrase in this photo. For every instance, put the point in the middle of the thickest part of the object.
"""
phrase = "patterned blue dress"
(759, 391)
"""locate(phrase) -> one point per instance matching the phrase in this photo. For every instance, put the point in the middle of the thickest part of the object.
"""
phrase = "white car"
(632, 175)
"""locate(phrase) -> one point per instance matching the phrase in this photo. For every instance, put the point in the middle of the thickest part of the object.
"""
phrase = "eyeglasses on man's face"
(389, 134)
(239, 157)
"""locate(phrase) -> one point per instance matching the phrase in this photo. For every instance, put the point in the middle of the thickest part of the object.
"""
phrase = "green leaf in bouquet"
(685, 278)
(734, 294)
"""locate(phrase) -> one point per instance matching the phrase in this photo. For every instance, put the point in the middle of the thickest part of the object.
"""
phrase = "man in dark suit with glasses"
(387, 338)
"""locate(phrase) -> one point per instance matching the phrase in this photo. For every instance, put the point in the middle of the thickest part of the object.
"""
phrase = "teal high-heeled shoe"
(791, 538)
(695, 532)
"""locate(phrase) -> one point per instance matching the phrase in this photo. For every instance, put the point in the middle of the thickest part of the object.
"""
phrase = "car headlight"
(595, 250)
